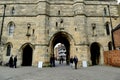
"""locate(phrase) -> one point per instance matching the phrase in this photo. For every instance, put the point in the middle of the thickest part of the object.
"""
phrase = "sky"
(118, 1)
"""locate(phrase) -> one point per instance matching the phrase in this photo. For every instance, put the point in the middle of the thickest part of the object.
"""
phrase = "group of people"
(13, 62)
(74, 61)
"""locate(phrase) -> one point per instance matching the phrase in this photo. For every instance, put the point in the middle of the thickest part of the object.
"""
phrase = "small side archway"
(27, 54)
(95, 53)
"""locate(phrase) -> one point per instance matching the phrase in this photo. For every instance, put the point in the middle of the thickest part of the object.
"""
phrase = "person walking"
(75, 61)
(11, 62)
(52, 61)
(61, 59)
(15, 61)
(71, 62)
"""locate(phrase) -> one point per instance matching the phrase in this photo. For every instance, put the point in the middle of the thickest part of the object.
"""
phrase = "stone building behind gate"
(31, 29)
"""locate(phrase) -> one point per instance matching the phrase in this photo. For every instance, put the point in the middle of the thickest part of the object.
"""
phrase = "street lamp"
(111, 27)
(2, 25)
(1, 45)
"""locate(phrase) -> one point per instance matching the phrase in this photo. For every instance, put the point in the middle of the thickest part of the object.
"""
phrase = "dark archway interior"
(61, 38)
(95, 53)
(27, 56)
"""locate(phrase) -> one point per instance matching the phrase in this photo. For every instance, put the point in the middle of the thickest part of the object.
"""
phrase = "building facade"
(32, 28)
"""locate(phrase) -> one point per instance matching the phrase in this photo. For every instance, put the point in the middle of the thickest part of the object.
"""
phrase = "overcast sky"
(118, 1)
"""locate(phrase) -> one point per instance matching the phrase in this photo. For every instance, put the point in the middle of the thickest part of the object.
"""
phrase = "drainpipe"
(2, 25)
(111, 27)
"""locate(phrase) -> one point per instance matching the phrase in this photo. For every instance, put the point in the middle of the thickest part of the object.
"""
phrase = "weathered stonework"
(52, 21)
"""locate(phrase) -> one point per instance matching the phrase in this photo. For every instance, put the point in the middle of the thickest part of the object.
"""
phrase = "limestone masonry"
(32, 28)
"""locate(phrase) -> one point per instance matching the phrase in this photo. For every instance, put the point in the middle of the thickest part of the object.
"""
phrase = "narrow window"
(8, 50)
(11, 29)
(33, 31)
(107, 28)
(56, 24)
(59, 12)
(110, 46)
(13, 11)
(105, 11)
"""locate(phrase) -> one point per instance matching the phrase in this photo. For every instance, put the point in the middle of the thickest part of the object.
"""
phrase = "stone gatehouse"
(32, 28)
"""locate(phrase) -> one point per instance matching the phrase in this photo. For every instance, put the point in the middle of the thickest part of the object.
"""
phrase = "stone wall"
(45, 18)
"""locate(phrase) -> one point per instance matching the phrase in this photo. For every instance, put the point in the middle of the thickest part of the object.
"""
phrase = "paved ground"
(60, 73)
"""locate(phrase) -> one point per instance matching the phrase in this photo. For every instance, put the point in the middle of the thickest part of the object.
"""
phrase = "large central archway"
(64, 38)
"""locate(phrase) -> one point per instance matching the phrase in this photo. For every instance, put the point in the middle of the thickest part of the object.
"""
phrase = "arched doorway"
(95, 53)
(63, 38)
(27, 56)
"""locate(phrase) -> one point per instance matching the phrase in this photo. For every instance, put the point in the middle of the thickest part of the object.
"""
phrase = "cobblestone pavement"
(60, 73)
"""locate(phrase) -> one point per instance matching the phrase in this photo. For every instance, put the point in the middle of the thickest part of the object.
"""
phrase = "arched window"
(107, 28)
(110, 45)
(11, 27)
(8, 50)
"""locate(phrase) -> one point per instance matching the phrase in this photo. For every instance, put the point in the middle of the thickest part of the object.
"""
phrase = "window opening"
(105, 11)
(107, 28)
(59, 12)
(8, 50)
(110, 45)
(11, 29)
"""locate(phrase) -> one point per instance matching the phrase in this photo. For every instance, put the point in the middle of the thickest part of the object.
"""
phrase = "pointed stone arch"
(27, 54)
(23, 46)
(96, 52)
(9, 43)
(62, 37)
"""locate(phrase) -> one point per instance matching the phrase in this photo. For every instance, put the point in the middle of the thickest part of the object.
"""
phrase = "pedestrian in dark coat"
(11, 62)
(61, 59)
(15, 61)
(71, 61)
(75, 61)
(52, 61)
